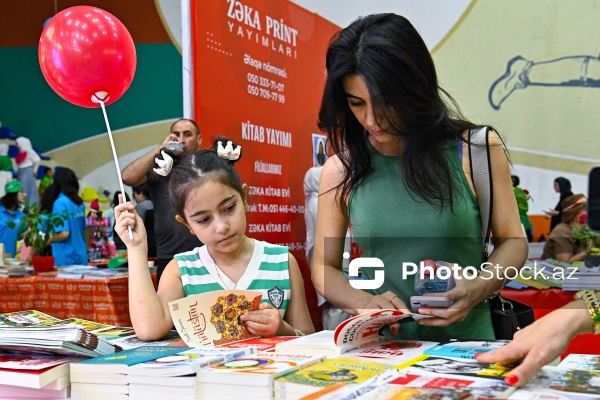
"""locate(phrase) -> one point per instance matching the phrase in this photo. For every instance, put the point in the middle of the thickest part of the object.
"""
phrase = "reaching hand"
(265, 322)
(539, 343)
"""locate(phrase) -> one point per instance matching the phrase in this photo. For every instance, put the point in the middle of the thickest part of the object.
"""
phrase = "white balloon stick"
(96, 99)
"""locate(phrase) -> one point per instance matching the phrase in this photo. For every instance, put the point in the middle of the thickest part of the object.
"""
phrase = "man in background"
(172, 237)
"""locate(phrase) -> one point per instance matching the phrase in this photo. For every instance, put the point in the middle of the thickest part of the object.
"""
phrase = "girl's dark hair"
(10, 200)
(192, 170)
(388, 53)
(564, 185)
(115, 200)
(66, 181)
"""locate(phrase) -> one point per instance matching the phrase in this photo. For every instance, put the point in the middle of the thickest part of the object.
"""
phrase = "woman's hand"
(265, 322)
(465, 296)
(126, 217)
(540, 343)
(387, 300)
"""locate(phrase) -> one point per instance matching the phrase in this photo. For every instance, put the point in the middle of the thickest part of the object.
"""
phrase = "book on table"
(464, 348)
(258, 370)
(262, 344)
(121, 362)
(189, 361)
(47, 392)
(212, 318)
(32, 331)
(33, 370)
(355, 332)
(394, 383)
(586, 362)
(554, 383)
(427, 365)
(391, 351)
(328, 372)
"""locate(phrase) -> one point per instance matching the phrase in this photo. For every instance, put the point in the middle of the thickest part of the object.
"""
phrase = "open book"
(211, 319)
(358, 331)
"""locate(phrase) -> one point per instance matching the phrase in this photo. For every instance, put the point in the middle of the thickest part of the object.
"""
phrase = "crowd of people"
(401, 160)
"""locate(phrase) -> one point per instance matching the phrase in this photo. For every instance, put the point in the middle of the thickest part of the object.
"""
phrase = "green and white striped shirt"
(267, 271)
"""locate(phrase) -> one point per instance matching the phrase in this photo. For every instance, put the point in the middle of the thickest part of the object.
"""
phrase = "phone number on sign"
(266, 94)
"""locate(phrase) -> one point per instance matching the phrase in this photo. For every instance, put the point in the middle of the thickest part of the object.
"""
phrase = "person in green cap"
(9, 211)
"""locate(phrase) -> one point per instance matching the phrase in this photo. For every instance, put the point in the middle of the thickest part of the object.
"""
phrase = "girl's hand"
(265, 322)
(125, 217)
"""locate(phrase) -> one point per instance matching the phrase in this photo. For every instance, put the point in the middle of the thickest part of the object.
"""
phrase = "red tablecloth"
(544, 301)
(99, 300)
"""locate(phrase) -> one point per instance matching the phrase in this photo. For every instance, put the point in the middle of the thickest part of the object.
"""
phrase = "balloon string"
(112, 146)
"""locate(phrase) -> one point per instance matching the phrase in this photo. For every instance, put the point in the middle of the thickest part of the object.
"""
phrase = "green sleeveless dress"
(391, 223)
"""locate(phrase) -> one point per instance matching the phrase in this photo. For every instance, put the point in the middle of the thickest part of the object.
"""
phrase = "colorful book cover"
(26, 318)
(211, 319)
(464, 348)
(587, 362)
(329, 372)
(261, 343)
(32, 361)
(558, 383)
(426, 364)
(34, 378)
(396, 350)
(258, 370)
(391, 384)
(132, 341)
(120, 362)
(189, 361)
(366, 328)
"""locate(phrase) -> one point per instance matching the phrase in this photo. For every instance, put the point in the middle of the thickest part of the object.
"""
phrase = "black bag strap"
(481, 173)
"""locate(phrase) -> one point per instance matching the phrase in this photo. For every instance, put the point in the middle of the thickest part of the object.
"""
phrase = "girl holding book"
(210, 200)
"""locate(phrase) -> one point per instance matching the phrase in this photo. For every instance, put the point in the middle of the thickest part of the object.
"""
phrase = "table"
(99, 300)
(543, 302)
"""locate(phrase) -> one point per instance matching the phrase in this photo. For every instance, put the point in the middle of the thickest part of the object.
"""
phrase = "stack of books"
(34, 375)
(33, 331)
(332, 371)
(249, 375)
(582, 278)
(175, 375)
(106, 378)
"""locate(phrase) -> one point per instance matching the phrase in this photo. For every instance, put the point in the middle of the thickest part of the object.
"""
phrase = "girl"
(210, 200)
(9, 212)
(62, 197)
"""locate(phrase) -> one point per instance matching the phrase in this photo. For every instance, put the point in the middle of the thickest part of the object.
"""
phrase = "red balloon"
(86, 53)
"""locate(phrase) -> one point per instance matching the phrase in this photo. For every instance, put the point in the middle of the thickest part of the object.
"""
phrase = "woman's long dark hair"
(388, 53)
(65, 181)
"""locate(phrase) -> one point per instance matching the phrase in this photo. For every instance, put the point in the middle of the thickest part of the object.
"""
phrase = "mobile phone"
(429, 301)
(594, 199)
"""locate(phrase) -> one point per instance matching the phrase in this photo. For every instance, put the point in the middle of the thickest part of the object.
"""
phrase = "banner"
(259, 71)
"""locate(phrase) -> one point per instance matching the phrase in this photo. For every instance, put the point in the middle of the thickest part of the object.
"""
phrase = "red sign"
(259, 71)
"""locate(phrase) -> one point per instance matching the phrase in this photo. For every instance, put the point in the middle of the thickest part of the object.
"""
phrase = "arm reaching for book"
(148, 309)
(541, 342)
